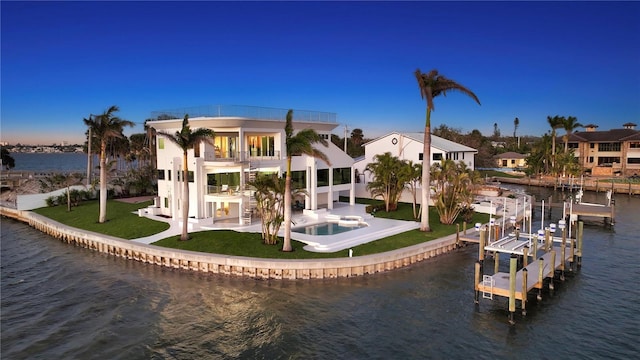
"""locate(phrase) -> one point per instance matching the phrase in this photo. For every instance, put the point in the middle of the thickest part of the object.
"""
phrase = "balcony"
(253, 155)
(243, 111)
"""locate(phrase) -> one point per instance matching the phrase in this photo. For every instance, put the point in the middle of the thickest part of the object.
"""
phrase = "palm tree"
(390, 176)
(298, 144)
(187, 139)
(104, 128)
(431, 85)
(555, 123)
(516, 123)
(569, 124)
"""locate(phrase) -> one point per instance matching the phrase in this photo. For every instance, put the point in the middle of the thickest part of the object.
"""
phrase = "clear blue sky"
(62, 61)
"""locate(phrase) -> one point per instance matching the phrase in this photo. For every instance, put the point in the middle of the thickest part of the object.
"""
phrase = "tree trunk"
(185, 199)
(103, 182)
(286, 246)
(426, 176)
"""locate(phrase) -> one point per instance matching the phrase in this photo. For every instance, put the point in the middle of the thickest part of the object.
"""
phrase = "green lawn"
(124, 223)
(121, 220)
(230, 242)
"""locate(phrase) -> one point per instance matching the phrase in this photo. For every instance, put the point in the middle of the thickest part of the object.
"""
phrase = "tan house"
(608, 153)
(511, 160)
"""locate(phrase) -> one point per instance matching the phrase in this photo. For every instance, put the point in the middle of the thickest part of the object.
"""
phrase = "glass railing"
(244, 111)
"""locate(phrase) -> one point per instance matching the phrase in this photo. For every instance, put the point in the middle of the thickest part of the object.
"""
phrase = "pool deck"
(377, 228)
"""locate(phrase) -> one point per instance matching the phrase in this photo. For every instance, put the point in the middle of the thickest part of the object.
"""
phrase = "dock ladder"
(487, 282)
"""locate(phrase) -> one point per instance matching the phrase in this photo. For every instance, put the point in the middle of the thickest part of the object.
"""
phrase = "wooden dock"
(498, 284)
(516, 284)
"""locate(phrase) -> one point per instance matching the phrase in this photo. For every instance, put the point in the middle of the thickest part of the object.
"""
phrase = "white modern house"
(409, 146)
(248, 141)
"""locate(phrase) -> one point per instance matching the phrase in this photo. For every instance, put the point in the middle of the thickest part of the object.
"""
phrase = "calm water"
(50, 162)
(65, 302)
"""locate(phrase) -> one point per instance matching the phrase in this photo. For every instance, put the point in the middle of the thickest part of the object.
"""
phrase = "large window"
(160, 143)
(225, 146)
(437, 156)
(633, 161)
(635, 145)
(160, 174)
(341, 176)
(609, 146)
(261, 145)
(608, 160)
(299, 179)
(230, 179)
(323, 177)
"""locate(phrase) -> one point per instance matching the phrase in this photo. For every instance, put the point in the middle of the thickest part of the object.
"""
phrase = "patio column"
(352, 187)
(330, 193)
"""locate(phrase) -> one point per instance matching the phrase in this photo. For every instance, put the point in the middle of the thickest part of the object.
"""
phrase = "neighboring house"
(511, 160)
(409, 146)
(607, 153)
(248, 141)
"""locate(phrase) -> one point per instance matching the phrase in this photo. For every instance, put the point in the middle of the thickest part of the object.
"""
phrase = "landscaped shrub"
(50, 201)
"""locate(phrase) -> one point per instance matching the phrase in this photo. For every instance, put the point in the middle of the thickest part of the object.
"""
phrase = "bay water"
(63, 302)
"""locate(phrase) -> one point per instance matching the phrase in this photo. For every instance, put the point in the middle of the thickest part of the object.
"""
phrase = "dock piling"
(513, 267)
(580, 229)
(477, 280)
(553, 269)
(496, 262)
(540, 277)
(525, 275)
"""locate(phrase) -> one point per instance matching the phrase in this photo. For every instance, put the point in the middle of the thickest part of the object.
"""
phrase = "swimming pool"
(327, 228)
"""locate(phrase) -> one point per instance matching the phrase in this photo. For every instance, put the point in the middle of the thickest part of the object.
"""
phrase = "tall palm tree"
(569, 124)
(516, 123)
(104, 128)
(555, 123)
(299, 144)
(431, 85)
(187, 139)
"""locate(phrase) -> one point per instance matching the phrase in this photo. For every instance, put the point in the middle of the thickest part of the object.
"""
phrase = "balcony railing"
(243, 111)
(242, 156)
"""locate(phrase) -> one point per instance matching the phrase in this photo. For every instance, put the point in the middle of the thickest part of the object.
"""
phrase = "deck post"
(580, 229)
(496, 262)
(572, 257)
(523, 301)
(547, 238)
(553, 269)
(483, 235)
(457, 235)
(562, 254)
(540, 277)
(513, 267)
(477, 281)
(525, 256)
(464, 228)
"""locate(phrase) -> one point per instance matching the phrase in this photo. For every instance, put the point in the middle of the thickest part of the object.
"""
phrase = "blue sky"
(61, 61)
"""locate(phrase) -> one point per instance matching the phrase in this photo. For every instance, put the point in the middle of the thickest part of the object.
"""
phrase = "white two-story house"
(248, 141)
(409, 146)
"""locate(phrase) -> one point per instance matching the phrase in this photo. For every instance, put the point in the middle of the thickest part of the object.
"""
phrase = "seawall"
(236, 265)
(597, 185)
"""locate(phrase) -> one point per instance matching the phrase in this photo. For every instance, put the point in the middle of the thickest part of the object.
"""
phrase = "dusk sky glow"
(61, 61)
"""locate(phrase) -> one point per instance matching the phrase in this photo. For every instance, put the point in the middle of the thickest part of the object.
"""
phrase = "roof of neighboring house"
(602, 136)
(510, 155)
(436, 142)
